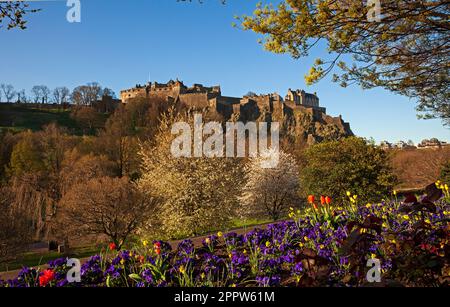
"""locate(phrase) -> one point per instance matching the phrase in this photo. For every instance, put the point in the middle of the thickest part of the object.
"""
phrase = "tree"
(84, 95)
(105, 206)
(78, 168)
(45, 91)
(118, 143)
(197, 194)
(22, 96)
(15, 230)
(404, 48)
(86, 117)
(12, 14)
(350, 164)
(270, 191)
(108, 92)
(8, 91)
(61, 95)
(27, 156)
(41, 93)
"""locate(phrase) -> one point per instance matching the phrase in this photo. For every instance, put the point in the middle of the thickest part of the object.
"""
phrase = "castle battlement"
(199, 95)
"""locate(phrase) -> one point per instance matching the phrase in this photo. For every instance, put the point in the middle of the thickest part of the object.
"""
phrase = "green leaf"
(135, 276)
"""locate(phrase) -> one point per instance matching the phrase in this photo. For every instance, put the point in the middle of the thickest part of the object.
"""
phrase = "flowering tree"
(270, 191)
(198, 194)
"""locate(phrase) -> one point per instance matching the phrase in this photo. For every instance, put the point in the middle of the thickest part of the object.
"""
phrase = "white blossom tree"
(198, 194)
(270, 191)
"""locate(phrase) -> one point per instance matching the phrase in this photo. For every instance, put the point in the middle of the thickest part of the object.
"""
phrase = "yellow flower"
(130, 254)
(267, 244)
(145, 243)
(233, 285)
(207, 240)
(406, 217)
(446, 187)
(220, 234)
(202, 276)
(395, 193)
(305, 238)
(292, 209)
(355, 197)
(182, 269)
(393, 241)
(244, 251)
(301, 244)
(230, 255)
(373, 256)
(322, 246)
(298, 211)
(427, 221)
(368, 206)
(349, 194)
(122, 261)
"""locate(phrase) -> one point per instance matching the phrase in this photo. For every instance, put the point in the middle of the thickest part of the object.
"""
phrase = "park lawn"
(32, 259)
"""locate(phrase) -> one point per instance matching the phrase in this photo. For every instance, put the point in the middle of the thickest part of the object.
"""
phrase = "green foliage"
(350, 164)
(26, 156)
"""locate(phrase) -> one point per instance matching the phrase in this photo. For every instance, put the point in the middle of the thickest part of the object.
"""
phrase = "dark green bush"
(351, 164)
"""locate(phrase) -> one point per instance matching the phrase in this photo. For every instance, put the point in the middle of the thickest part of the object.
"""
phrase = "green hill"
(19, 117)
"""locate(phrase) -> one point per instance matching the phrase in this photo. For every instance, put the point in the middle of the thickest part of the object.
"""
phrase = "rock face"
(297, 122)
(300, 116)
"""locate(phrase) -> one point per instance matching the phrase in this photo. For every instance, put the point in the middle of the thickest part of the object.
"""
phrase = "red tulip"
(322, 200)
(311, 199)
(46, 277)
(157, 247)
(112, 246)
(328, 200)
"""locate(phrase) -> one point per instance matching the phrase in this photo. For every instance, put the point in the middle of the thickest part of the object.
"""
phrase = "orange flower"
(328, 200)
(322, 200)
(311, 199)
(315, 206)
(112, 246)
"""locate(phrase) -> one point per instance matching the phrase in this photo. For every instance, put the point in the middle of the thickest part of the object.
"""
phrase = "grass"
(16, 117)
(32, 259)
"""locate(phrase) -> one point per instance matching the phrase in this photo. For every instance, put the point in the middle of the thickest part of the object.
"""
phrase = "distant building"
(432, 143)
(399, 145)
(202, 96)
(107, 104)
(386, 145)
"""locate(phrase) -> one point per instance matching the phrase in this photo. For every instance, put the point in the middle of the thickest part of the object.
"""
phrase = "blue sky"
(119, 43)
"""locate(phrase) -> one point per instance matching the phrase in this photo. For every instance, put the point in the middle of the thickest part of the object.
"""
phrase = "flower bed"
(324, 245)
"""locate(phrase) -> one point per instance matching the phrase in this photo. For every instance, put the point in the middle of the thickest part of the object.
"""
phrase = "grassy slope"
(18, 117)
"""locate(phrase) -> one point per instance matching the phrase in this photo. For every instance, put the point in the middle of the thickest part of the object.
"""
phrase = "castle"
(201, 96)
(293, 108)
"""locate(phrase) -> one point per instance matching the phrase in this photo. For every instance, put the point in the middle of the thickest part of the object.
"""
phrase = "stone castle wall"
(298, 110)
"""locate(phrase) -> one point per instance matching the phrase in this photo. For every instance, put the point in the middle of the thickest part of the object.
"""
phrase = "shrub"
(445, 172)
(270, 191)
(350, 164)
